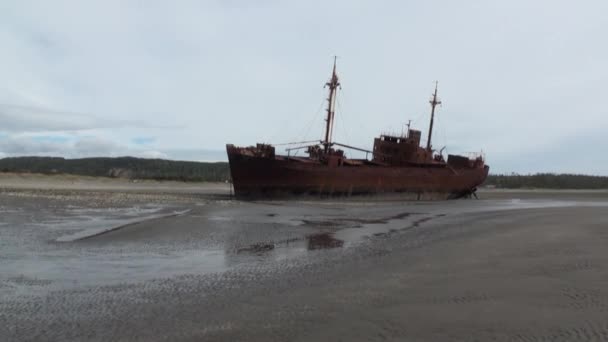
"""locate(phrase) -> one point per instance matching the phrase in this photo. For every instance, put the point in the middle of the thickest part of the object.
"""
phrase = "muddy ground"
(124, 262)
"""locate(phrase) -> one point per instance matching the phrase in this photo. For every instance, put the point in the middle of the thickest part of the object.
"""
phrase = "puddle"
(61, 271)
(92, 232)
(336, 233)
(323, 241)
(257, 248)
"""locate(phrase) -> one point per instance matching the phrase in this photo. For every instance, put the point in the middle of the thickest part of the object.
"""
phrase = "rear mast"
(333, 84)
(434, 102)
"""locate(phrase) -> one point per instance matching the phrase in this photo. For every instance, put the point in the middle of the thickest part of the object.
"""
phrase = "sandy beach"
(101, 259)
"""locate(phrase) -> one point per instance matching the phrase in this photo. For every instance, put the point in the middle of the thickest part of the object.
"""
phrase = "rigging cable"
(342, 122)
(288, 121)
(297, 143)
(312, 121)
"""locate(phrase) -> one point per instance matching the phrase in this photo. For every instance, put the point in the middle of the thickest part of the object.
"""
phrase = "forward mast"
(434, 102)
(333, 85)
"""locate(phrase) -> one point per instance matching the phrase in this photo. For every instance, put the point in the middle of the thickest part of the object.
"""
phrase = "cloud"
(143, 140)
(552, 158)
(51, 138)
(93, 146)
(21, 145)
(152, 155)
(197, 75)
(17, 118)
(75, 146)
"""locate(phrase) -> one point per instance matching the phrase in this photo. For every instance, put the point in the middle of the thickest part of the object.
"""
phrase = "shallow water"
(109, 266)
(52, 245)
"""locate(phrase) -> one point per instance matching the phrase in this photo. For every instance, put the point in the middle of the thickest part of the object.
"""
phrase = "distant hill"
(160, 169)
(547, 181)
(123, 167)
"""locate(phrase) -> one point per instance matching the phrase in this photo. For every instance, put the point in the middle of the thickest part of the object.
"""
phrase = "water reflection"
(323, 241)
(260, 247)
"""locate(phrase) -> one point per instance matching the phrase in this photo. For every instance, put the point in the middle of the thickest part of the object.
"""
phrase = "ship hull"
(263, 177)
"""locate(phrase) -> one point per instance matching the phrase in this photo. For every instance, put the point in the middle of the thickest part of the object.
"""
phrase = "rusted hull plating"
(254, 177)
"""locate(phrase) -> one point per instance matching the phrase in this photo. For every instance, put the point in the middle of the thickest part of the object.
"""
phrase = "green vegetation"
(547, 181)
(160, 169)
(123, 167)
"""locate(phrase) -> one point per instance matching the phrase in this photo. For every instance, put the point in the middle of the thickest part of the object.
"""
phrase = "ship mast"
(333, 84)
(434, 102)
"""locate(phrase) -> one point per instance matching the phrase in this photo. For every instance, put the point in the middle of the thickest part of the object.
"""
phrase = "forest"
(123, 167)
(189, 171)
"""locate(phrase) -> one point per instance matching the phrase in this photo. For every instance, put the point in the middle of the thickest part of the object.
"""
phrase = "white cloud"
(75, 146)
(516, 77)
(153, 154)
(15, 118)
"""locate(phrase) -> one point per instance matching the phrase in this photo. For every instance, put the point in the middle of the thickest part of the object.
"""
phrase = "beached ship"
(397, 164)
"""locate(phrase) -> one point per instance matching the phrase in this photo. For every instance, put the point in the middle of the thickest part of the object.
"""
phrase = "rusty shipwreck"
(397, 164)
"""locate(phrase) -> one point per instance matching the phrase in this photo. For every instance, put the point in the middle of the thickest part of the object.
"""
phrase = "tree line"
(123, 167)
(161, 169)
(547, 181)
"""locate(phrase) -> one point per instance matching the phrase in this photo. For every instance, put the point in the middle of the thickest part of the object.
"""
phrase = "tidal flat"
(99, 260)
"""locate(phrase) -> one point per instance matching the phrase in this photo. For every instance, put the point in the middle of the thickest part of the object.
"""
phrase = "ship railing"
(299, 143)
(290, 149)
(367, 152)
(393, 134)
(296, 148)
(475, 155)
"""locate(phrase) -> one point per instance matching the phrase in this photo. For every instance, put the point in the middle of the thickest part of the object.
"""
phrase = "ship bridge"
(402, 150)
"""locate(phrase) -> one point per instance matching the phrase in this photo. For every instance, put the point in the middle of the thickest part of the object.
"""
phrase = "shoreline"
(68, 184)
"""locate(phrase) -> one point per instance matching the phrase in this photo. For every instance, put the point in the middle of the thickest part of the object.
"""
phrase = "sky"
(521, 81)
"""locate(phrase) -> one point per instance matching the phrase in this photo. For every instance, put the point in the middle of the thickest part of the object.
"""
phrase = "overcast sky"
(524, 81)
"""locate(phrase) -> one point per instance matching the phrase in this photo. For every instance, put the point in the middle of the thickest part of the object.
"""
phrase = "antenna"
(409, 122)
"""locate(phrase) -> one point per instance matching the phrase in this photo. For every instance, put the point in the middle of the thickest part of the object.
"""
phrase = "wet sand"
(151, 264)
